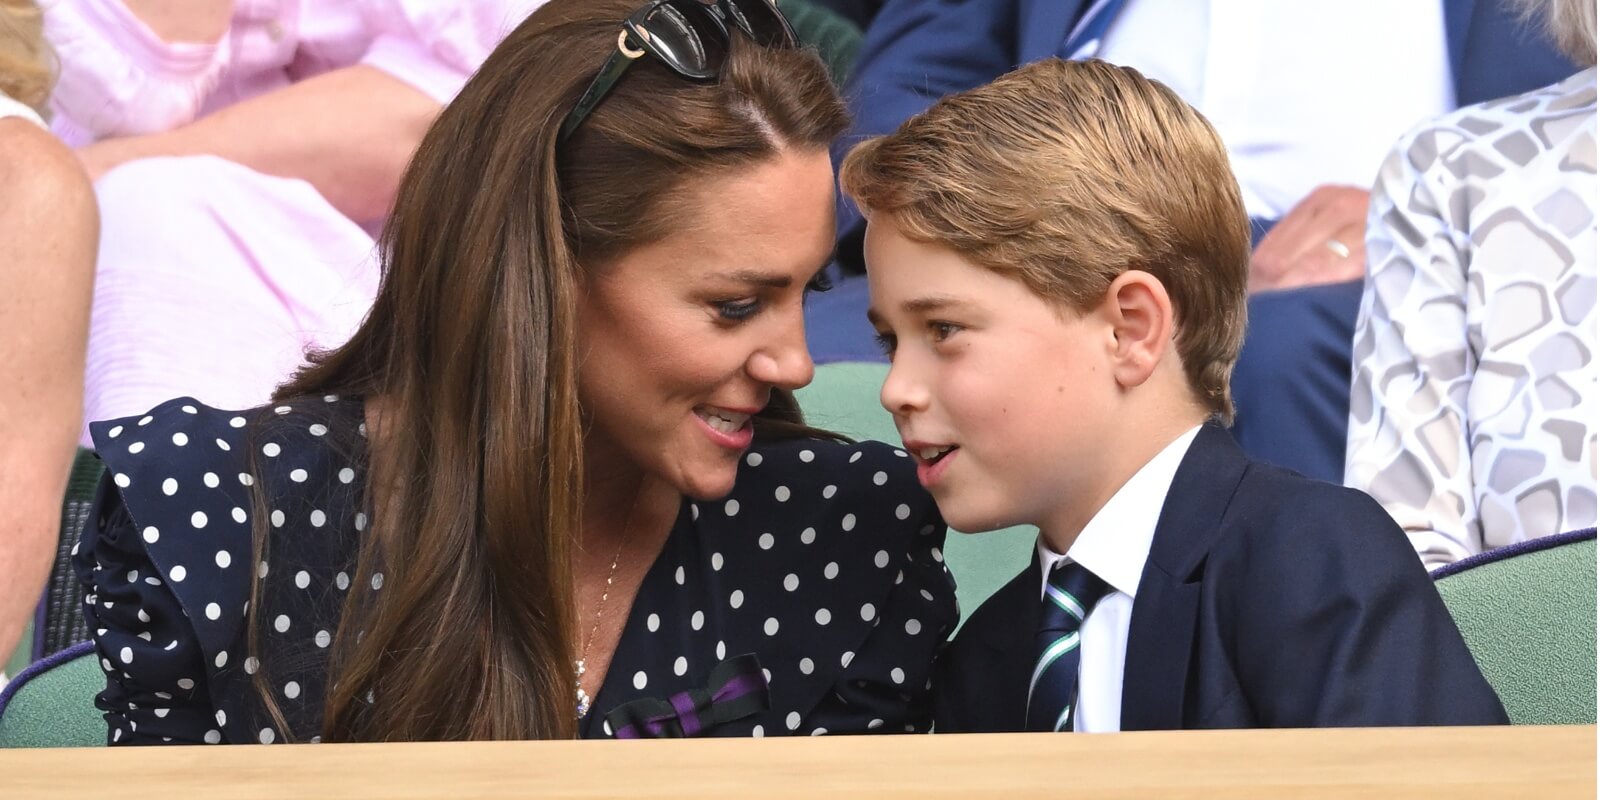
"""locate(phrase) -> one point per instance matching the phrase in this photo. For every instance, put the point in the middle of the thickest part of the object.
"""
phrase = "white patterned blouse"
(1472, 409)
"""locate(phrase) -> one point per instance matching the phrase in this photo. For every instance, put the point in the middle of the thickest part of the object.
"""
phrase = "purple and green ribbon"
(736, 689)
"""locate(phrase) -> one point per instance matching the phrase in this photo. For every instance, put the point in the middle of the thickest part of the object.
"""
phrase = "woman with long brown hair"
(556, 484)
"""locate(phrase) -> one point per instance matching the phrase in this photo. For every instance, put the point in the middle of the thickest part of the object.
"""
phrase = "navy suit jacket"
(917, 51)
(1268, 600)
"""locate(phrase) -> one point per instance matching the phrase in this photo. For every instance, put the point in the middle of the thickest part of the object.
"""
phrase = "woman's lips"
(733, 430)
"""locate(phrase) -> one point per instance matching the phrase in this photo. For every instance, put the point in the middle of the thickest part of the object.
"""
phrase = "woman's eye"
(737, 310)
(886, 342)
(942, 330)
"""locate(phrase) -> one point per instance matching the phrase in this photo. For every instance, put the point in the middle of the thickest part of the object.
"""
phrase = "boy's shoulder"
(1277, 508)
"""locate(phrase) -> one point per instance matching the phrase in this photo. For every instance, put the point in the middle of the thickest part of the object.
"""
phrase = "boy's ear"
(1140, 313)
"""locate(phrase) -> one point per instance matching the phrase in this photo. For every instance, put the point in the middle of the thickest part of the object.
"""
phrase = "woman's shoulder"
(151, 454)
(839, 494)
(148, 454)
(193, 477)
(187, 486)
(837, 470)
(810, 510)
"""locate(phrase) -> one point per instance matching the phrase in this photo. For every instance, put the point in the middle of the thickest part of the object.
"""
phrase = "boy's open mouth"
(933, 455)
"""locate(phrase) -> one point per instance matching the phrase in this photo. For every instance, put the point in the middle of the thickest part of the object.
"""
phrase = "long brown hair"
(471, 344)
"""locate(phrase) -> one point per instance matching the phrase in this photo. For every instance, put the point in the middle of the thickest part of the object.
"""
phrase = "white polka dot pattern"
(816, 548)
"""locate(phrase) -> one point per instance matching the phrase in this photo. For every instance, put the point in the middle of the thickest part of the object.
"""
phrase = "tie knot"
(1071, 592)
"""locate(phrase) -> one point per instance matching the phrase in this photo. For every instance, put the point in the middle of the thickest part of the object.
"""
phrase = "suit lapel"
(1044, 25)
(1008, 642)
(1457, 21)
(1165, 613)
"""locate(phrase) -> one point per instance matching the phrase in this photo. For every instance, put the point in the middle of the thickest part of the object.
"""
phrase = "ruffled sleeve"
(167, 572)
(436, 46)
(156, 685)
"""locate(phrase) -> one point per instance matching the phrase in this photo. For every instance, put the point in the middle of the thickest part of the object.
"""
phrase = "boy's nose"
(902, 393)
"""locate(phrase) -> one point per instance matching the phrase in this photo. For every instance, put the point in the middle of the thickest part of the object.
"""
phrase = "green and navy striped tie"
(1053, 688)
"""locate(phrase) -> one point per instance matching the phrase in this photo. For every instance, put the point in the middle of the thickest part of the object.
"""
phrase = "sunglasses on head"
(689, 36)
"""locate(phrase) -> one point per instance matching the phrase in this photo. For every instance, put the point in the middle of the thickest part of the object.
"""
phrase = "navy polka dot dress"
(812, 600)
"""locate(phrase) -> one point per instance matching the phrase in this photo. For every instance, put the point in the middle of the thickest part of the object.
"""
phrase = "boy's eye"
(737, 310)
(942, 331)
(819, 282)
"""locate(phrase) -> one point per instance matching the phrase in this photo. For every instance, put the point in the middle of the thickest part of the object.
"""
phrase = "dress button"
(274, 30)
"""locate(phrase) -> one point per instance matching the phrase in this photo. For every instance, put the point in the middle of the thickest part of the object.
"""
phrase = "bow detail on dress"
(737, 688)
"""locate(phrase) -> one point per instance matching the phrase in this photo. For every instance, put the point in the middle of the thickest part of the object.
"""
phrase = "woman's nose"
(785, 364)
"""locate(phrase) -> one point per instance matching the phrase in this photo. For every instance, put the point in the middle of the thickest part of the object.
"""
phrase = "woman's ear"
(1140, 313)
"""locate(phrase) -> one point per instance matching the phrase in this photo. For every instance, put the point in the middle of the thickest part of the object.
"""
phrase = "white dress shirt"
(1114, 546)
(1301, 93)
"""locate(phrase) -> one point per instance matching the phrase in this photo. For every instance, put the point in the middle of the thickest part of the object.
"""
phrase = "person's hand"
(1321, 240)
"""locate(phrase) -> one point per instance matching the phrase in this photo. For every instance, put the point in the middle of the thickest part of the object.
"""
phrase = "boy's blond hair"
(1066, 174)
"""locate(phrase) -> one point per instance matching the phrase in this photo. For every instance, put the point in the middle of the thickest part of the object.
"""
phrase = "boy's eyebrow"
(932, 302)
(919, 305)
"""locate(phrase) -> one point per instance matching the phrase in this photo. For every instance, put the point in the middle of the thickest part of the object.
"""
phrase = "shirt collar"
(1116, 542)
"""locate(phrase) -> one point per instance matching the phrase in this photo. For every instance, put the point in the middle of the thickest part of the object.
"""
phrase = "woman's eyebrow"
(753, 277)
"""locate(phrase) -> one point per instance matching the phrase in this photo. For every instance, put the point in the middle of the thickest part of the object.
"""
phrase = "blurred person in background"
(244, 154)
(48, 226)
(1472, 414)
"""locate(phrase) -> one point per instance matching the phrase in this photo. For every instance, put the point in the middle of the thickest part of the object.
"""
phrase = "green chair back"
(59, 623)
(1528, 615)
(51, 704)
(836, 39)
(844, 398)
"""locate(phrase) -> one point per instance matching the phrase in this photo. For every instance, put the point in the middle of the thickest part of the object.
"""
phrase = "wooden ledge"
(1456, 763)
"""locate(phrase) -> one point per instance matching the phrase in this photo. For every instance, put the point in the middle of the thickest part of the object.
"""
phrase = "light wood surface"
(1458, 763)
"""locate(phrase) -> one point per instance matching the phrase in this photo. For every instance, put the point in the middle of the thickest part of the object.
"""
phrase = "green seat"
(1527, 612)
(51, 704)
(59, 622)
(844, 398)
(836, 39)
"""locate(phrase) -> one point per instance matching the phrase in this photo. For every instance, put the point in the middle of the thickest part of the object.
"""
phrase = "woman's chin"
(706, 482)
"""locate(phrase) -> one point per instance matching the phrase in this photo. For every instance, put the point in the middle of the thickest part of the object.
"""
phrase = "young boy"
(1057, 263)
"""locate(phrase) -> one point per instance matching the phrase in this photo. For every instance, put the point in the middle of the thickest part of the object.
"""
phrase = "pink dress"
(214, 279)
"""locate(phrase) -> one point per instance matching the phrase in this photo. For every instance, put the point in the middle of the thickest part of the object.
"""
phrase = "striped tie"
(1053, 689)
(1086, 37)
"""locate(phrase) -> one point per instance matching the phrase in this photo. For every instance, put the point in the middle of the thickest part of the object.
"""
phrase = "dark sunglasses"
(689, 36)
